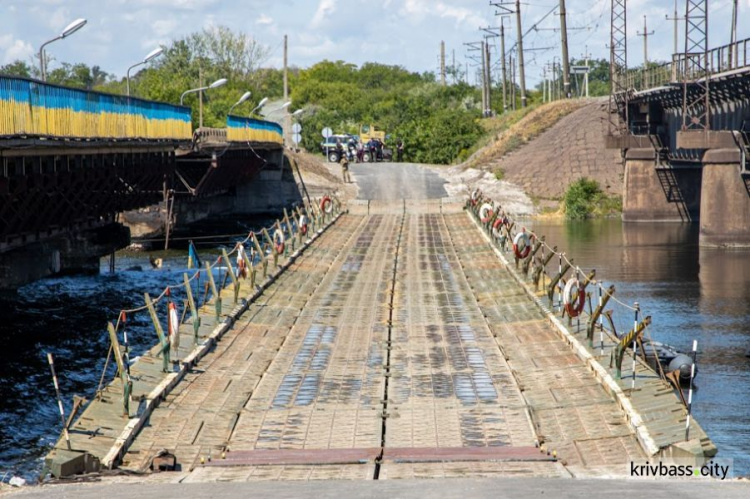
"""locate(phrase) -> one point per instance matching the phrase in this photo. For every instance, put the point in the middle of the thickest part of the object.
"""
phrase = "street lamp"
(298, 112)
(244, 97)
(69, 30)
(151, 55)
(260, 105)
(283, 106)
(216, 84)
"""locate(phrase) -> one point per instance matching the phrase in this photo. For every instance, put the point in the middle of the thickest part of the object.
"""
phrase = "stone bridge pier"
(657, 192)
(714, 193)
(725, 199)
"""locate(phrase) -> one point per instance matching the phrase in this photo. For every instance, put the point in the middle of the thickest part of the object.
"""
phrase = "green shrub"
(499, 174)
(584, 198)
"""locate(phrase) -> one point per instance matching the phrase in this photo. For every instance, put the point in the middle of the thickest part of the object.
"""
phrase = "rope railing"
(307, 218)
(621, 326)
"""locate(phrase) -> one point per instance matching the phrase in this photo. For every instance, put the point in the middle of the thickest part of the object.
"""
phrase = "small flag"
(193, 260)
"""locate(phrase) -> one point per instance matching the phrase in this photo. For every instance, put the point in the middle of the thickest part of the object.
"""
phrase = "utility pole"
(544, 84)
(502, 58)
(200, 97)
(442, 63)
(513, 82)
(488, 86)
(645, 36)
(733, 52)
(490, 33)
(676, 18)
(565, 61)
(453, 65)
(485, 104)
(521, 75)
(586, 76)
(288, 117)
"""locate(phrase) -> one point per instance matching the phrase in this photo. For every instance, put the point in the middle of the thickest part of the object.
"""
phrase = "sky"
(403, 32)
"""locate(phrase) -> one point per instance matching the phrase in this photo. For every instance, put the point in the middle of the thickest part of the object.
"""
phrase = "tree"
(17, 68)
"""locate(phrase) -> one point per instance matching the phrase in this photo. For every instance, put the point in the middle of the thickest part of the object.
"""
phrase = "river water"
(691, 293)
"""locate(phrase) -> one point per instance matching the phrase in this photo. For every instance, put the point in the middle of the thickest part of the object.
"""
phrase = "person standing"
(360, 152)
(400, 150)
(345, 169)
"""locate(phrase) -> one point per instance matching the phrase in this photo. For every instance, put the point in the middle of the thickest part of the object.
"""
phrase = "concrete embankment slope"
(570, 149)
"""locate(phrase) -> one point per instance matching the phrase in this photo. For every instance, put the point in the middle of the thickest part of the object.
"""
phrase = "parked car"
(329, 146)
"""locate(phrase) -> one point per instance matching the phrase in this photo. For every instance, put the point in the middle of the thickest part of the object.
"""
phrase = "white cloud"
(264, 20)
(164, 27)
(325, 9)
(420, 9)
(12, 49)
(177, 4)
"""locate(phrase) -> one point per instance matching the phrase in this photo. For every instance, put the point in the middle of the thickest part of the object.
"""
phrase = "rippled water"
(67, 317)
(691, 293)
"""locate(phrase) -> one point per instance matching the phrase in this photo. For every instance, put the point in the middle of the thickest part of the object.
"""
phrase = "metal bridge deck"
(392, 336)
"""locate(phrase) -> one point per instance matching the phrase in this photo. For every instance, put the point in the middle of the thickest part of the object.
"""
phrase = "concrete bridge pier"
(75, 252)
(656, 192)
(725, 204)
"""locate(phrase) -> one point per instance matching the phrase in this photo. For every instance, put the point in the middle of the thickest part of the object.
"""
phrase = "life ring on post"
(241, 265)
(485, 212)
(173, 327)
(326, 205)
(497, 226)
(302, 224)
(574, 303)
(278, 241)
(522, 252)
(475, 197)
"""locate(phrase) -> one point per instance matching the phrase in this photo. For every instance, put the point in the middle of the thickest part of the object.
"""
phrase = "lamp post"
(151, 55)
(69, 30)
(244, 97)
(218, 83)
(262, 103)
(283, 106)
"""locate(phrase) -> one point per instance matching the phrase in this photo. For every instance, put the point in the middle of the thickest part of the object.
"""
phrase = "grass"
(513, 130)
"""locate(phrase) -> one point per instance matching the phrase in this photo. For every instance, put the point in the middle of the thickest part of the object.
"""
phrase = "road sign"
(579, 70)
(327, 132)
(296, 138)
(296, 128)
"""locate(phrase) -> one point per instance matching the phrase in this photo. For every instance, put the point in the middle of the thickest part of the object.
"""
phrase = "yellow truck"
(367, 132)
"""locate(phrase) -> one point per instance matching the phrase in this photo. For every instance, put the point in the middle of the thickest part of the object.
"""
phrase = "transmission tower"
(695, 94)
(618, 67)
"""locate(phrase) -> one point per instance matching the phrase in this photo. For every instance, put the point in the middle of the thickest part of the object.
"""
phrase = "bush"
(584, 198)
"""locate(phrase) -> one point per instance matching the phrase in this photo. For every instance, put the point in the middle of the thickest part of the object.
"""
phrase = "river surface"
(691, 293)
(67, 316)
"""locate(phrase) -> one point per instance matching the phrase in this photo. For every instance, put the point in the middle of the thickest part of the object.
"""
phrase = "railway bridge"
(684, 129)
(74, 164)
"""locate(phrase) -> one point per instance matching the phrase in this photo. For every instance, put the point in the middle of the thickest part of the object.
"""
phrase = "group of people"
(357, 150)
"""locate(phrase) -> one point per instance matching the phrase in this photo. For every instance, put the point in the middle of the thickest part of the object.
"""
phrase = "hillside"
(552, 147)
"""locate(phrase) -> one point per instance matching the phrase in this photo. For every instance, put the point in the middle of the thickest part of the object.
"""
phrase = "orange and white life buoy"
(522, 251)
(574, 301)
(485, 212)
(326, 205)
(278, 241)
(173, 327)
(302, 224)
(497, 227)
(475, 195)
(241, 265)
